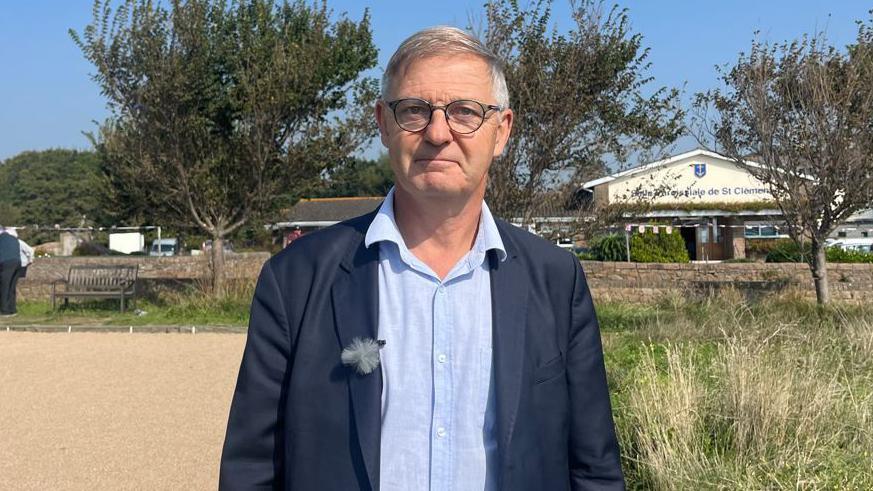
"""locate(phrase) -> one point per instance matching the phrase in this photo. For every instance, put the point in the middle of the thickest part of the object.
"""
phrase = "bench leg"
(122, 303)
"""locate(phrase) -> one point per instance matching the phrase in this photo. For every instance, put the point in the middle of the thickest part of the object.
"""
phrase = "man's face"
(437, 162)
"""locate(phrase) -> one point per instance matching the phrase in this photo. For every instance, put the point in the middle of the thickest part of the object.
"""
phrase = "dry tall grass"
(731, 395)
(668, 403)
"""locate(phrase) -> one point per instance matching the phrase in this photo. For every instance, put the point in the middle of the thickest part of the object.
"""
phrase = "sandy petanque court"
(114, 411)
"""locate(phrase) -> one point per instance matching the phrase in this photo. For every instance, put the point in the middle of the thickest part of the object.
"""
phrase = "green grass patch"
(146, 313)
(189, 306)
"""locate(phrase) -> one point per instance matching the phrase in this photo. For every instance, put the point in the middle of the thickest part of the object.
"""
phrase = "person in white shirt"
(26, 258)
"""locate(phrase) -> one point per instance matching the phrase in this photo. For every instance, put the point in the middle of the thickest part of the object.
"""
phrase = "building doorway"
(689, 235)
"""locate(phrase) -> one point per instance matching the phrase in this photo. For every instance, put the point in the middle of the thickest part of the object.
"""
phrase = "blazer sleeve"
(251, 458)
(594, 454)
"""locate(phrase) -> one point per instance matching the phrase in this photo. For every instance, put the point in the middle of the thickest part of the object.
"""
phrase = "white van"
(861, 245)
(164, 247)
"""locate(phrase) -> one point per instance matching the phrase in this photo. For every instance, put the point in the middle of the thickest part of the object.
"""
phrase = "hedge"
(786, 251)
(650, 247)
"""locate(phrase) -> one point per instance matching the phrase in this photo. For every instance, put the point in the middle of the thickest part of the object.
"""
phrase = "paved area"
(114, 411)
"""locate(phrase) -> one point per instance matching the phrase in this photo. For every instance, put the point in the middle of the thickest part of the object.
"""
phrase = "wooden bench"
(97, 282)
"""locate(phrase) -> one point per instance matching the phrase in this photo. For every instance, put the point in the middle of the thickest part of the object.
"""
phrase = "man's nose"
(438, 132)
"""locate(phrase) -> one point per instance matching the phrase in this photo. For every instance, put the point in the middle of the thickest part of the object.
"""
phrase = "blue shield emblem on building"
(699, 170)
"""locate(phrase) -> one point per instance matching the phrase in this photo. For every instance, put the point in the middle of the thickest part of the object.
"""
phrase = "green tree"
(579, 101)
(799, 117)
(62, 187)
(358, 177)
(223, 111)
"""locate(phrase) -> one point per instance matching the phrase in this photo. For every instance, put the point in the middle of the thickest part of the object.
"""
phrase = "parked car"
(860, 245)
(207, 246)
(164, 247)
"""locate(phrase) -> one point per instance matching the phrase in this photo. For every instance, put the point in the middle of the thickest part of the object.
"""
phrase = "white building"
(716, 204)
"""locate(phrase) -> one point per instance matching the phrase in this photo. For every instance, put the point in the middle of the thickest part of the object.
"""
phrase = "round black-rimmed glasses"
(462, 116)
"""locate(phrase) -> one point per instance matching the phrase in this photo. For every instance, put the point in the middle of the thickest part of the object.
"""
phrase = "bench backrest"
(97, 278)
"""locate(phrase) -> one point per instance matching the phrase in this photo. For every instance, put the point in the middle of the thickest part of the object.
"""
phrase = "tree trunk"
(218, 286)
(819, 268)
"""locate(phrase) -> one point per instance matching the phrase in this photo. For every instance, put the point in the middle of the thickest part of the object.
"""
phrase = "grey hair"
(445, 40)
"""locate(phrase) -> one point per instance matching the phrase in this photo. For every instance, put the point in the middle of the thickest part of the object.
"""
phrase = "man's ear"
(504, 129)
(381, 112)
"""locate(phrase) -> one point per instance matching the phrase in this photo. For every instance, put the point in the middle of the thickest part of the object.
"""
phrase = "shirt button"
(441, 432)
(442, 290)
(442, 358)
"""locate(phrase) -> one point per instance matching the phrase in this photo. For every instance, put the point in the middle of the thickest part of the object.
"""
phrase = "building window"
(762, 231)
(865, 234)
(841, 234)
(768, 231)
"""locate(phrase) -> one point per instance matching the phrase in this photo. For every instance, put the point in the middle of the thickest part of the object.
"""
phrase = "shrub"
(586, 256)
(739, 260)
(610, 247)
(787, 251)
(650, 247)
(89, 248)
(759, 248)
(837, 255)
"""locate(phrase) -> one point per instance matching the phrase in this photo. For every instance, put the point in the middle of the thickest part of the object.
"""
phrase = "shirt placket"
(441, 424)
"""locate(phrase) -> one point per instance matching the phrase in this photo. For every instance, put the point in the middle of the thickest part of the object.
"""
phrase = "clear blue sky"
(47, 98)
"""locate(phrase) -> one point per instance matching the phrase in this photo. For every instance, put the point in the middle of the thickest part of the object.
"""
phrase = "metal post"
(627, 242)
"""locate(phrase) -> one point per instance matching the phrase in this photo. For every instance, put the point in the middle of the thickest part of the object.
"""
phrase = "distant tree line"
(53, 187)
(71, 188)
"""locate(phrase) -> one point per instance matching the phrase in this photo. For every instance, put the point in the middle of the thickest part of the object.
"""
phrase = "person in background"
(26, 258)
(10, 262)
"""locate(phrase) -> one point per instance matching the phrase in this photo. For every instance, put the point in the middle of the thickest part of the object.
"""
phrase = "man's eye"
(413, 110)
(464, 111)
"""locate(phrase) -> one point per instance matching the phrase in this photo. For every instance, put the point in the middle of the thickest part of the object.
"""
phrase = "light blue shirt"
(437, 397)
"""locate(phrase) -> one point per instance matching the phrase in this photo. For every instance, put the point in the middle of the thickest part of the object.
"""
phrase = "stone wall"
(153, 271)
(636, 282)
(850, 283)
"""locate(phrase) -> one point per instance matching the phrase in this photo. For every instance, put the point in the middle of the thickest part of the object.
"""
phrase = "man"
(10, 262)
(491, 370)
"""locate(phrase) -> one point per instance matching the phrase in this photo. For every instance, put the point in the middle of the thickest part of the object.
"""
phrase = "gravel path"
(114, 411)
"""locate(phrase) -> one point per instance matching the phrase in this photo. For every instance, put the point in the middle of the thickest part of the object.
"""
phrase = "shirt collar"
(384, 228)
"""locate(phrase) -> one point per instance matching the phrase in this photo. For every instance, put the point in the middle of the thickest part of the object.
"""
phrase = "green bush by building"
(650, 247)
(647, 247)
(609, 247)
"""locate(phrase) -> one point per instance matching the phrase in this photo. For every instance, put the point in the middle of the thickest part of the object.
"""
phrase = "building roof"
(322, 212)
(659, 163)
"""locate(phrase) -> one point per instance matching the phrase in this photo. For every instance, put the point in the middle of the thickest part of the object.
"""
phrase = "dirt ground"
(114, 411)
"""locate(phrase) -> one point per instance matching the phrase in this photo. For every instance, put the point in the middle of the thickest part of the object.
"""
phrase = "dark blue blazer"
(301, 420)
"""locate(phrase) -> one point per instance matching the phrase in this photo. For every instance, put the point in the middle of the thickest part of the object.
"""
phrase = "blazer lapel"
(509, 290)
(356, 305)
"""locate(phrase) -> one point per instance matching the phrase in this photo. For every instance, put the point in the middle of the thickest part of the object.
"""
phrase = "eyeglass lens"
(462, 116)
